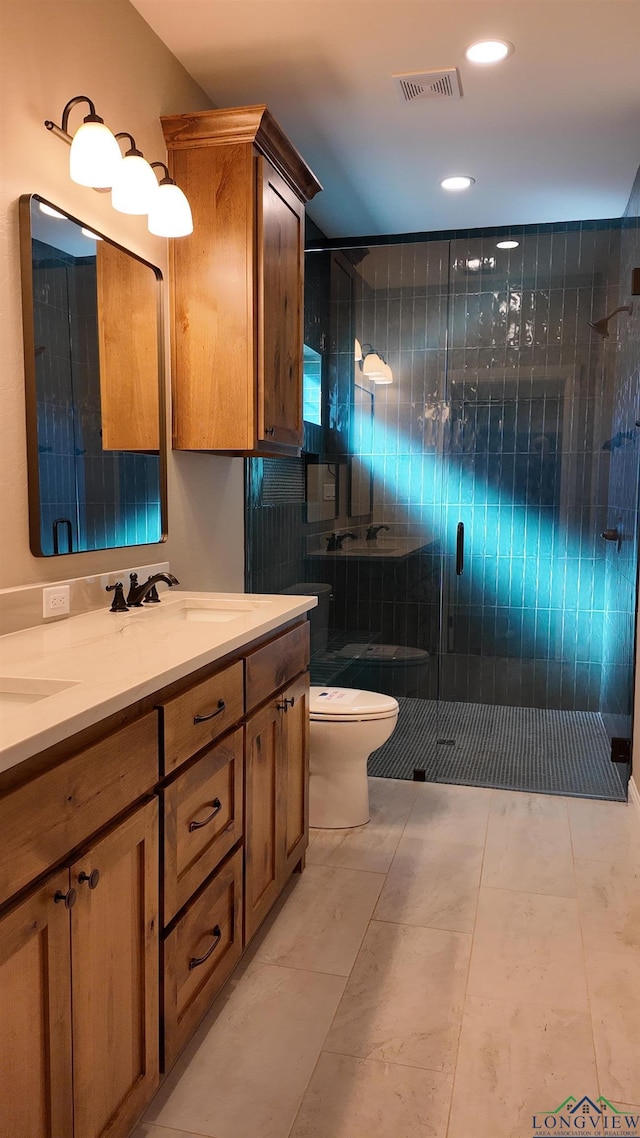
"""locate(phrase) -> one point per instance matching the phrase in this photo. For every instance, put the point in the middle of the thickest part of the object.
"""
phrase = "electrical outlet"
(55, 601)
(329, 491)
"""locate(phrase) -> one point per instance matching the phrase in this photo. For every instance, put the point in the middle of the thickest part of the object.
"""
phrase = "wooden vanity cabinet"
(113, 942)
(78, 991)
(237, 283)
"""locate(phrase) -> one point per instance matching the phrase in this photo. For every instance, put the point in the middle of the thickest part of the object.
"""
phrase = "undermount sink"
(18, 691)
(214, 611)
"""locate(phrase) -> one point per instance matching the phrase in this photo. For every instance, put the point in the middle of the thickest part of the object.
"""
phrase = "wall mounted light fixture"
(373, 364)
(96, 160)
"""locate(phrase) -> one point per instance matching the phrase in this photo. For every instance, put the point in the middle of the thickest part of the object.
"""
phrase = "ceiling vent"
(428, 85)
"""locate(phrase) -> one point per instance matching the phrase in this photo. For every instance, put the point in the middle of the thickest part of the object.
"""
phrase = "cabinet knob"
(269, 430)
(197, 960)
(92, 878)
(217, 807)
(69, 898)
(286, 704)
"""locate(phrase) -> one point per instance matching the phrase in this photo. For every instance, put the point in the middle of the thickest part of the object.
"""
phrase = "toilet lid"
(382, 654)
(336, 704)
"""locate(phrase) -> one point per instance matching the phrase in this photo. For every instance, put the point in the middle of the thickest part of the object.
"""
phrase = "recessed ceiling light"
(91, 234)
(488, 51)
(459, 182)
(507, 244)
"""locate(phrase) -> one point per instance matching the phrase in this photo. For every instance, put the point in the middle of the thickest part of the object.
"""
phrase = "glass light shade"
(95, 156)
(170, 215)
(507, 244)
(49, 211)
(488, 51)
(458, 182)
(134, 186)
(357, 351)
(372, 365)
(385, 377)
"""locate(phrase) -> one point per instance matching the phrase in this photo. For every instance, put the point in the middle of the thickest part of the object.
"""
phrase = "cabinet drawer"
(199, 954)
(203, 820)
(269, 668)
(43, 820)
(201, 714)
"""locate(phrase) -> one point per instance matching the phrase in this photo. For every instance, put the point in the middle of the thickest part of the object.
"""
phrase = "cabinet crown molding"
(254, 125)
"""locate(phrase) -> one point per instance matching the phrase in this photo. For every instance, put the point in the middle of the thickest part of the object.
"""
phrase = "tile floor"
(467, 959)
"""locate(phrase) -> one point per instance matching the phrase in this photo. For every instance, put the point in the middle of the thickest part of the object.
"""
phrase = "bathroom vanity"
(153, 804)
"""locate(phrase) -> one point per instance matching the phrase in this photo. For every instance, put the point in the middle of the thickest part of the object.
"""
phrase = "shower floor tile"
(513, 748)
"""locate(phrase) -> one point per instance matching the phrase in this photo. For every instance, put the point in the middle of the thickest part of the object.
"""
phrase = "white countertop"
(111, 660)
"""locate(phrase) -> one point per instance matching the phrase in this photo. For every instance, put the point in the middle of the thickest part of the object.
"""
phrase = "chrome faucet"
(144, 592)
(335, 541)
(373, 532)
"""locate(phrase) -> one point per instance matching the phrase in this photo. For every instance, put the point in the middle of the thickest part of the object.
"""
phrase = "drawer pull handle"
(217, 807)
(197, 960)
(69, 898)
(203, 718)
(286, 704)
(92, 878)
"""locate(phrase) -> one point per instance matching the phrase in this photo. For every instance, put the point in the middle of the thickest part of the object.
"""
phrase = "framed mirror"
(94, 387)
(360, 458)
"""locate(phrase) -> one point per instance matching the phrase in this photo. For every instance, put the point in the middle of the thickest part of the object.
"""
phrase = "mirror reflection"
(93, 364)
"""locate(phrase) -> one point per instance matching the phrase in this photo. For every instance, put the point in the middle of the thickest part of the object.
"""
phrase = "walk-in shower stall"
(487, 494)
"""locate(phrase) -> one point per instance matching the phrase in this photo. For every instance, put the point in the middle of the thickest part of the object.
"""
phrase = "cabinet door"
(35, 1014)
(293, 825)
(261, 811)
(114, 944)
(280, 239)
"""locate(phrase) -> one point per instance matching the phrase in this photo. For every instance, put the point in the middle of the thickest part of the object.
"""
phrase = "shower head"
(600, 326)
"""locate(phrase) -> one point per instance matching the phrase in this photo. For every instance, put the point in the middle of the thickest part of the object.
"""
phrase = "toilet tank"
(319, 616)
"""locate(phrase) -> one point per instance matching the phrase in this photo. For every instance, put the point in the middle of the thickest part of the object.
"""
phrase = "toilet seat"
(349, 705)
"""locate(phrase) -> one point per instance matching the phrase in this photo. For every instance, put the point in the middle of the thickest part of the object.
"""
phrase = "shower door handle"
(460, 549)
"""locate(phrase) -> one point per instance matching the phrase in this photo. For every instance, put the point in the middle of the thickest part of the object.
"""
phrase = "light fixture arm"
(61, 131)
(167, 180)
(368, 350)
(133, 149)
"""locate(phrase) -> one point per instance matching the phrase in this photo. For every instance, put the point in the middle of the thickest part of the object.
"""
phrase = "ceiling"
(551, 134)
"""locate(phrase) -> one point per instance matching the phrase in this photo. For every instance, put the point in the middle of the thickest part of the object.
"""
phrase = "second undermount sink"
(21, 691)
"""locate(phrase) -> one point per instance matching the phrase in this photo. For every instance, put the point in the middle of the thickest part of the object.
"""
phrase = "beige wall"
(51, 51)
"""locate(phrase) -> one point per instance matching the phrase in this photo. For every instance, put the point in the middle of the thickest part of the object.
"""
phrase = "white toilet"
(346, 726)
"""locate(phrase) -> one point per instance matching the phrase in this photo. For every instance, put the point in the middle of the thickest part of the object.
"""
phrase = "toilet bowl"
(346, 725)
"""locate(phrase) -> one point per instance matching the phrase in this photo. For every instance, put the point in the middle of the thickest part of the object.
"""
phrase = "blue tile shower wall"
(497, 418)
(275, 514)
(110, 497)
(621, 565)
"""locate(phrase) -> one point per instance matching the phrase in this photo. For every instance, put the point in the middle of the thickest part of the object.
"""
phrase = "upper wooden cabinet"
(237, 283)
